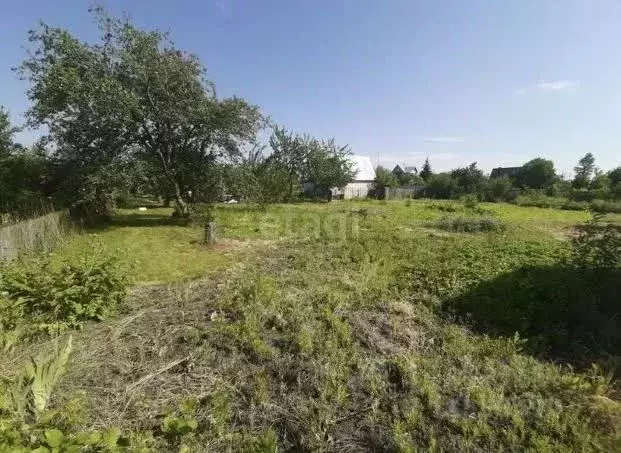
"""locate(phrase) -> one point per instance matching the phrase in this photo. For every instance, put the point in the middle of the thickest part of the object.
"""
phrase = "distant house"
(499, 172)
(398, 170)
(362, 182)
(359, 187)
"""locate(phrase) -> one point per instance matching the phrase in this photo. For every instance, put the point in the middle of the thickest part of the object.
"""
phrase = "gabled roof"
(412, 170)
(363, 167)
(504, 171)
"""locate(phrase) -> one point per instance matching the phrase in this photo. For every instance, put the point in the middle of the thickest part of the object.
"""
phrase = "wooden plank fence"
(37, 233)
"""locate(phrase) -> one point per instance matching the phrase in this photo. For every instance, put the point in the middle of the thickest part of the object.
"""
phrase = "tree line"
(535, 176)
(131, 114)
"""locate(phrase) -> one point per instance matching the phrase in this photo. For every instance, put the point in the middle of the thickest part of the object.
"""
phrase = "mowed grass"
(152, 245)
(350, 326)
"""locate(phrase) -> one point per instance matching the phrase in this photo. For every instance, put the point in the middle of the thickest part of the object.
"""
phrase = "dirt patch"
(388, 333)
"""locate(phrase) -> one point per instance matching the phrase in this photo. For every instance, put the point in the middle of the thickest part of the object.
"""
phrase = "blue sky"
(498, 82)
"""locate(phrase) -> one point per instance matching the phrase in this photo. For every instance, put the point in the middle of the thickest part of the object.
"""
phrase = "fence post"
(211, 233)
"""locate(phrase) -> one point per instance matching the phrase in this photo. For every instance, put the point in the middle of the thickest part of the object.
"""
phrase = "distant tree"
(469, 179)
(584, 171)
(326, 165)
(441, 185)
(614, 176)
(538, 173)
(383, 178)
(289, 152)
(499, 189)
(7, 145)
(600, 181)
(409, 179)
(426, 172)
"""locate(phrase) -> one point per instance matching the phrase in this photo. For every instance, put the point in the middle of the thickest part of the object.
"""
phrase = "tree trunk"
(181, 207)
(211, 233)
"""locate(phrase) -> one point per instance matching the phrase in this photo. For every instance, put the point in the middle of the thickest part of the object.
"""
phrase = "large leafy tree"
(132, 94)
(584, 171)
(538, 173)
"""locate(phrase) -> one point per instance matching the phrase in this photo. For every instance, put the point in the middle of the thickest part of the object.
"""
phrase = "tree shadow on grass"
(137, 220)
(147, 220)
(566, 314)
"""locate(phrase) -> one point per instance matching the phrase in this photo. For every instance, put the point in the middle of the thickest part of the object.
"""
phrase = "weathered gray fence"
(401, 193)
(38, 233)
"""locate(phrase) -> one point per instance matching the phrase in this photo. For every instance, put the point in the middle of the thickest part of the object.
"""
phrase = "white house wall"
(357, 190)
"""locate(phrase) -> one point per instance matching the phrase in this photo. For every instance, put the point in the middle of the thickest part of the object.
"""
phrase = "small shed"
(363, 180)
(359, 187)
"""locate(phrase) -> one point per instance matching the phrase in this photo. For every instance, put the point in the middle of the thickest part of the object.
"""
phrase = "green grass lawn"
(350, 326)
(156, 249)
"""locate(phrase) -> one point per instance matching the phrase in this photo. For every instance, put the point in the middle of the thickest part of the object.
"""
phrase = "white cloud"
(549, 86)
(444, 139)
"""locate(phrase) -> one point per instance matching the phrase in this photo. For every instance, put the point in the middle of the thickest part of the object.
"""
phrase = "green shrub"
(469, 225)
(38, 296)
(470, 201)
(571, 205)
(443, 207)
(539, 200)
(605, 206)
(598, 245)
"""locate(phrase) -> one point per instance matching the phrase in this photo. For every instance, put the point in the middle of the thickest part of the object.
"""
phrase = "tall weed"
(37, 296)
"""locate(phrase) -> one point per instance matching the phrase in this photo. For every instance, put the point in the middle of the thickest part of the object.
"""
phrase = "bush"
(499, 189)
(605, 206)
(470, 201)
(443, 207)
(597, 246)
(36, 296)
(538, 199)
(469, 225)
(441, 186)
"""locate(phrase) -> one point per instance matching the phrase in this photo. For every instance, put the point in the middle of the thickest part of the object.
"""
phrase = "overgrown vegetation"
(470, 225)
(347, 341)
(308, 327)
(39, 298)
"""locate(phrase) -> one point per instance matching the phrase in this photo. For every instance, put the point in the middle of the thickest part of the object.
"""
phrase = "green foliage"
(597, 245)
(614, 176)
(470, 225)
(180, 423)
(39, 297)
(469, 180)
(538, 173)
(584, 171)
(499, 189)
(327, 165)
(132, 95)
(426, 172)
(383, 178)
(7, 145)
(299, 159)
(202, 214)
(441, 185)
(540, 200)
